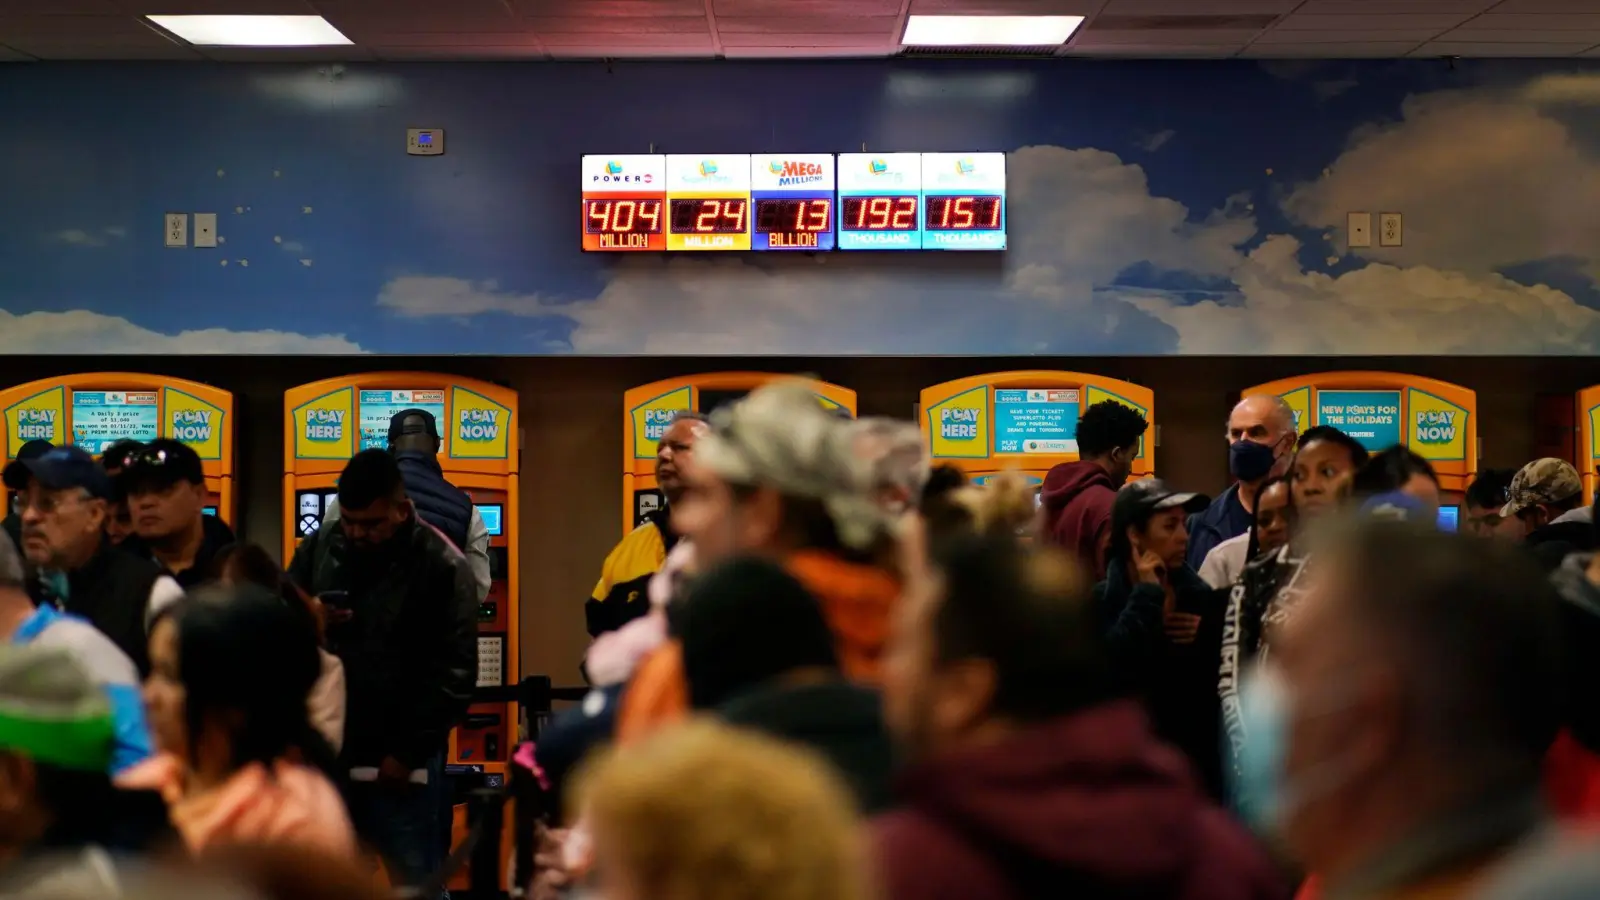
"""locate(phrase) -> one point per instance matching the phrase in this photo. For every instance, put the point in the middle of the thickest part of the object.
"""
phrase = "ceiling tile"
(1192, 37)
(1004, 7)
(801, 53)
(9, 55)
(813, 9)
(1462, 48)
(592, 27)
(629, 44)
(78, 49)
(1549, 22)
(1394, 7)
(769, 25)
(1367, 50)
(1144, 51)
(1474, 35)
(287, 54)
(60, 8)
(1197, 7)
(608, 51)
(1352, 36)
(461, 40)
(610, 9)
(863, 41)
(456, 54)
(1434, 22)
(89, 28)
(1545, 6)
(216, 7)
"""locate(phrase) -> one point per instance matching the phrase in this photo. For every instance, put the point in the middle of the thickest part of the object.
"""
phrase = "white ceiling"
(734, 29)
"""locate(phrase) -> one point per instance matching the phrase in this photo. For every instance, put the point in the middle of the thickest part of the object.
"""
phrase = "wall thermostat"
(425, 141)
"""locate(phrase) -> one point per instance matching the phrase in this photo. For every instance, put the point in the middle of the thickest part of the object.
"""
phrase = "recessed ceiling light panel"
(253, 31)
(989, 31)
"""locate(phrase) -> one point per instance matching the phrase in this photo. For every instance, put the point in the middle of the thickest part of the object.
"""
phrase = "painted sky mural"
(1155, 208)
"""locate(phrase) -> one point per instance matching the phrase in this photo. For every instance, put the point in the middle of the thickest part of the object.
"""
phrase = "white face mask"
(1262, 789)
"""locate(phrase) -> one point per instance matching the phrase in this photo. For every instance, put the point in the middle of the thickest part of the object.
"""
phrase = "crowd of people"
(824, 669)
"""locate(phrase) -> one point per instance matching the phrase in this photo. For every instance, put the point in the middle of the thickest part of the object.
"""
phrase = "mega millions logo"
(791, 173)
(613, 174)
(1436, 426)
(325, 425)
(959, 424)
(479, 425)
(36, 424)
(192, 426)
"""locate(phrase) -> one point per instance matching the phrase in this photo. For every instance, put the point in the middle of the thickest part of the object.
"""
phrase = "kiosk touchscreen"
(1436, 419)
(1588, 455)
(96, 409)
(327, 422)
(1023, 421)
(649, 408)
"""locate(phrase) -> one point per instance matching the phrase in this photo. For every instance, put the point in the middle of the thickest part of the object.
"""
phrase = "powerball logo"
(614, 175)
(792, 173)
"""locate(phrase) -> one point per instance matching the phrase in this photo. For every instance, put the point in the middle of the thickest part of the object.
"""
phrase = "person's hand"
(550, 876)
(1150, 567)
(393, 772)
(1181, 628)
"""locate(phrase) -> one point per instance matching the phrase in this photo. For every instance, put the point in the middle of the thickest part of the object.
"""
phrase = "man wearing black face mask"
(1261, 432)
(402, 611)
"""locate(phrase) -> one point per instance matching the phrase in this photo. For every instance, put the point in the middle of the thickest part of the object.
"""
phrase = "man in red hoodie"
(1076, 497)
(1028, 776)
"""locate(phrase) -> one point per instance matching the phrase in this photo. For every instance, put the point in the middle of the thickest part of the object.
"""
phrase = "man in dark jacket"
(414, 442)
(1030, 778)
(1261, 439)
(1076, 496)
(165, 486)
(65, 497)
(402, 612)
(1546, 497)
(13, 520)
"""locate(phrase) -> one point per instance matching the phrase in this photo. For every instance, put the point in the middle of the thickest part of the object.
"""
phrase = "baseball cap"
(163, 462)
(1547, 480)
(399, 426)
(51, 711)
(1138, 500)
(15, 471)
(58, 469)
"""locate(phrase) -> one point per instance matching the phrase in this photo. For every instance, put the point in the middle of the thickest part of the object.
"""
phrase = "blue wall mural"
(1157, 208)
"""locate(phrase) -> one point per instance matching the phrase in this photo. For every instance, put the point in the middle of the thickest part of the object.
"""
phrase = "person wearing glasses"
(1486, 495)
(165, 487)
(118, 456)
(13, 520)
(65, 498)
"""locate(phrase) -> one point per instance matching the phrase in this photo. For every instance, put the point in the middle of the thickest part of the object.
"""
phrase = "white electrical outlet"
(205, 229)
(425, 141)
(177, 229)
(1358, 229)
(1391, 230)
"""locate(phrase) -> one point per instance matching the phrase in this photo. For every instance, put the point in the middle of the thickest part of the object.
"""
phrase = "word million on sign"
(794, 201)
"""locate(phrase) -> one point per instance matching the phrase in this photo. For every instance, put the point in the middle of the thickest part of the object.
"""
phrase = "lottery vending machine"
(1023, 421)
(1587, 458)
(327, 422)
(1435, 419)
(96, 409)
(649, 409)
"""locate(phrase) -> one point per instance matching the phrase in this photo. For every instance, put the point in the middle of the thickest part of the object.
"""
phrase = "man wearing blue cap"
(13, 520)
(65, 497)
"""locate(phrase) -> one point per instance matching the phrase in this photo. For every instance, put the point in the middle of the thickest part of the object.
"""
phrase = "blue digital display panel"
(1371, 417)
(210, 510)
(491, 515)
(101, 418)
(793, 199)
(378, 407)
(880, 201)
(1449, 518)
(1036, 420)
(964, 201)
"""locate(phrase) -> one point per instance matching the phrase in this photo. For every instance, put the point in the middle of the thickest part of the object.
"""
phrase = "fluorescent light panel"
(989, 31)
(253, 31)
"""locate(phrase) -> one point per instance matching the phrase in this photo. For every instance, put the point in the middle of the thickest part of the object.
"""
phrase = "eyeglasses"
(47, 503)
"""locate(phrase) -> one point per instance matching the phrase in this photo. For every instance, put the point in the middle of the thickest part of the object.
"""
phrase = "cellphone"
(335, 598)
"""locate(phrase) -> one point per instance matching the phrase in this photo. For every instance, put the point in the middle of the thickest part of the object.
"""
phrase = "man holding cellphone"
(402, 617)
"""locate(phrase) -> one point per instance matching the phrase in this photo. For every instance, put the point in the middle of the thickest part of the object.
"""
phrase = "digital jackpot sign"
(708, 202)
(794, 197)
(964, 201)
(880, 201)
(624, 199)
(795, 201)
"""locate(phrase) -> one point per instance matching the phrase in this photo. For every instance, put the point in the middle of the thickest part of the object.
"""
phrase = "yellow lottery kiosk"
(327, 422)
(648, 409)
(96, 409)
(1588, 452)
(1023, 421)
(1436, 419)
